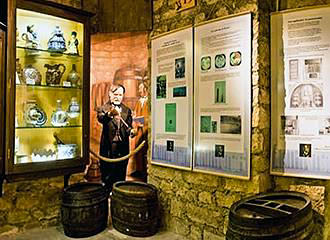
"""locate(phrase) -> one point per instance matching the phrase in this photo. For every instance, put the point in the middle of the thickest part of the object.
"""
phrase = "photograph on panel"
(305, 150)
(205, 124)
(180, 67)
(230, 124)
(170, 145)
(205, 63)
(312, 69)
(293, 70)
(219, 151)
(214, 126)
(161, 87)
(220, 92)
(235, 58)
(180, 91)
(289, 125)
(324, 126)
(220, 61)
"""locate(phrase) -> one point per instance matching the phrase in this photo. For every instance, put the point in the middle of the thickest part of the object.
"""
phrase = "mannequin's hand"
(113, 112)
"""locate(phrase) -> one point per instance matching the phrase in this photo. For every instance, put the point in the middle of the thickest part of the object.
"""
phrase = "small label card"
(30, 81)
(66, 84)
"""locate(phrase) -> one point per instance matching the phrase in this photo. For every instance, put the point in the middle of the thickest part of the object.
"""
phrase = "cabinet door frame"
(13, 171)
(3, 33)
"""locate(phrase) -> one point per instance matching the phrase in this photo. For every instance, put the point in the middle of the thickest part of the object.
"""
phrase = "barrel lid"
(134, 188)
(270, 207)
(84, 188)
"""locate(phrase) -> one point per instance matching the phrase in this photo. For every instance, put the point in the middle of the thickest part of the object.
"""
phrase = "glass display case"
(48, 90)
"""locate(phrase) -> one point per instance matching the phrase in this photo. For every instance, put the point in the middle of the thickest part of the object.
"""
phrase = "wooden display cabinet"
(3, 36)
(47, 108)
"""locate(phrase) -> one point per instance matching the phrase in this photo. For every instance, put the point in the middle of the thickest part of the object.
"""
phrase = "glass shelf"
(43, 161)
(42, 127)
(52, 53)
(46, 87)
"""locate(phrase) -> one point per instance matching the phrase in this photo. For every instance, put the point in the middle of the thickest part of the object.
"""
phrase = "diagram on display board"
(300, 91)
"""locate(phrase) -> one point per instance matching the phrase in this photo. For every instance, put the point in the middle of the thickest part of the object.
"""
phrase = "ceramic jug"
(54, 73)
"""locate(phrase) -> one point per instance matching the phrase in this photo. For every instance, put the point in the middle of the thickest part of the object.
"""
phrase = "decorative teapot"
(54, 73)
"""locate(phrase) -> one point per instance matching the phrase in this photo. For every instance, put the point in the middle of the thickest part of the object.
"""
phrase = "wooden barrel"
(100, 94)
(278, 215)
(134, 208)
(84, 209)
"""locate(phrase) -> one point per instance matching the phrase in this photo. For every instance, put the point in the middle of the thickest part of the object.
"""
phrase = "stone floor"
(56, 233)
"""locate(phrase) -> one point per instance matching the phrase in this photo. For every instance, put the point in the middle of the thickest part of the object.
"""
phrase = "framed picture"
(172, 99)
(300, 117)
(222, 115)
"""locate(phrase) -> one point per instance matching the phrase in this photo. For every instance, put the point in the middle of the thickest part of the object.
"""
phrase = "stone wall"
(31, 204)
(196, 205)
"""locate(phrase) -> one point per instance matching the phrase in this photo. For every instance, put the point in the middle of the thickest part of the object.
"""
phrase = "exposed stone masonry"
(196, 205)
(30, 204)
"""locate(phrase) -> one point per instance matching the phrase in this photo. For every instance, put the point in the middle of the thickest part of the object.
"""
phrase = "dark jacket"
(109, 131)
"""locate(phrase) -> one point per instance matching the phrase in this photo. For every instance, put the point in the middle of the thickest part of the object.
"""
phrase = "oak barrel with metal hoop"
(134, 208)
(278, 215)
(84, 209)
(100, 94)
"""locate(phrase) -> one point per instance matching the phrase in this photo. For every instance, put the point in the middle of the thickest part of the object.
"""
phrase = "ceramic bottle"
(59, 116)
(74, 108)
(73, 76)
